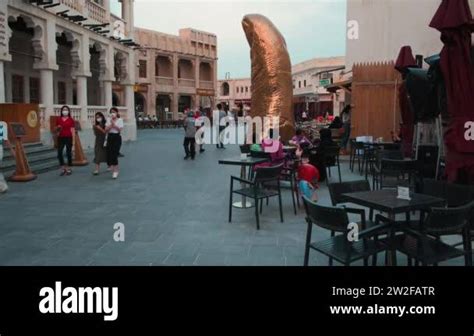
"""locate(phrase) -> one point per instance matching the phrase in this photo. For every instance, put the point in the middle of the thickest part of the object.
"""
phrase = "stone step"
(41, 159)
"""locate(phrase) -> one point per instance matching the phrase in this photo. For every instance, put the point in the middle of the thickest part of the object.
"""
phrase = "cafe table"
(244, 163)
(386, 201)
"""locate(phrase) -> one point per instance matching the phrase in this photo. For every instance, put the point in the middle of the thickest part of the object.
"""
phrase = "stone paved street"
(174, 211)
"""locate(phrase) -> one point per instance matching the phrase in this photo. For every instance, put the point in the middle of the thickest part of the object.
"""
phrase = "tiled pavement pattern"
(174, 211)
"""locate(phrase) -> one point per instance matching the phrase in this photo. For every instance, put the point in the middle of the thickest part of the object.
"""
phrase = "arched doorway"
(22, 80)
(115, 99)
(225, 89)
(185, 69)
(164, 67)
(93, 84)
(184, 102)
(140, 104)
(205, 72)
(163, 106)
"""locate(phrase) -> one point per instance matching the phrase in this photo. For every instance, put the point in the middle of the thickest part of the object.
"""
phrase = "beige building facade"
(175, 72)
(236, 93)
(309, 80)
(76, 53)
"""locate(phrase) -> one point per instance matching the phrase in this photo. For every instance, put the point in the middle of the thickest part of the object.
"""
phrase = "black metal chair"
(330, 157)
(456, 195)
(288, 173)
(422, 247)
(376, 164)
(340, 247)
(395, 173)
(357, 152)
(336, 191)
(245, 149)
(256, 189)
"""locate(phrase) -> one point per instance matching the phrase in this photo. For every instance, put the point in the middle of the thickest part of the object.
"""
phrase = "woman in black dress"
(100, 152)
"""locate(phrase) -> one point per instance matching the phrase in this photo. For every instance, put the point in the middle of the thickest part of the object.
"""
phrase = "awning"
(344, 85)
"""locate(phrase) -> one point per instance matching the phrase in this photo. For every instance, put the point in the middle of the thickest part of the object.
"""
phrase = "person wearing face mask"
(65, 128)
(114, 127)
(100, 154)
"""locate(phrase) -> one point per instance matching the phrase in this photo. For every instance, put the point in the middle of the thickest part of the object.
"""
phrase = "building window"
(61, 93)
(305, 83)
(299, 84)
(17, 89)
(34, 90)
(142, 69)
(237, 89)
(246, 89)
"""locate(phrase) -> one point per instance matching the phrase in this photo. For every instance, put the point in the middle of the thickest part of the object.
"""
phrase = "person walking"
(222, 116)
(113, 128)
(100, 153)
(200, 117)
(189, 135)
(3, 140)
(66, 132)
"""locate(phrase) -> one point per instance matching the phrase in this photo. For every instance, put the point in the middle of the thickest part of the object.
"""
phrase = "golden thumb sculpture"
(272, 85)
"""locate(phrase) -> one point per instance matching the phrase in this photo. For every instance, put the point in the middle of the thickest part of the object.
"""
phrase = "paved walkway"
(174, 212)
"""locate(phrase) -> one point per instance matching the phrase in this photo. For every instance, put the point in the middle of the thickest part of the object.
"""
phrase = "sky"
(312, 28)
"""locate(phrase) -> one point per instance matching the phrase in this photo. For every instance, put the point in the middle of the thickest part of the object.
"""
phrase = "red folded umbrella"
(405, 59)
(454, 20)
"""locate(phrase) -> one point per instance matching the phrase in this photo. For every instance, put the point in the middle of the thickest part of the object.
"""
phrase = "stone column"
(174, 105)
(128, 17)
(26, 89)
(107, 93)
(130, 102)
(2, 83)
(197, 73)
(47, 93)
(175, 71)
(82, 98)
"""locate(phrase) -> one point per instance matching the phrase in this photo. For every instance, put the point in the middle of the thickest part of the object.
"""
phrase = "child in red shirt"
(308, 178)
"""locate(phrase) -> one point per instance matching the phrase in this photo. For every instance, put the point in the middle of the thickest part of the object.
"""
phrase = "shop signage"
(205, 92)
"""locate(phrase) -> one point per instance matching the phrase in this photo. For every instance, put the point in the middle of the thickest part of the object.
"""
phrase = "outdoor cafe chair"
(339, 247)
(331, 159)
(422, 247)
(357, 153)
(456, 195)
(337, 191)
(393, 173)
(375, 165)
(257, 190)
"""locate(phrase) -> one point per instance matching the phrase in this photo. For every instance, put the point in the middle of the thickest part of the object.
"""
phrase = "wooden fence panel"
(375, 98)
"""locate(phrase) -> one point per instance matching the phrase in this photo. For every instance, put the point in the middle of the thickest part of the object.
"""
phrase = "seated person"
(275, 149)
(316, 156)
(299, 138)
(336, 123)
(308, 178)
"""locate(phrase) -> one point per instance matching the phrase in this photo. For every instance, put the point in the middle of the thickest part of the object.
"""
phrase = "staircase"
(41, 159)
